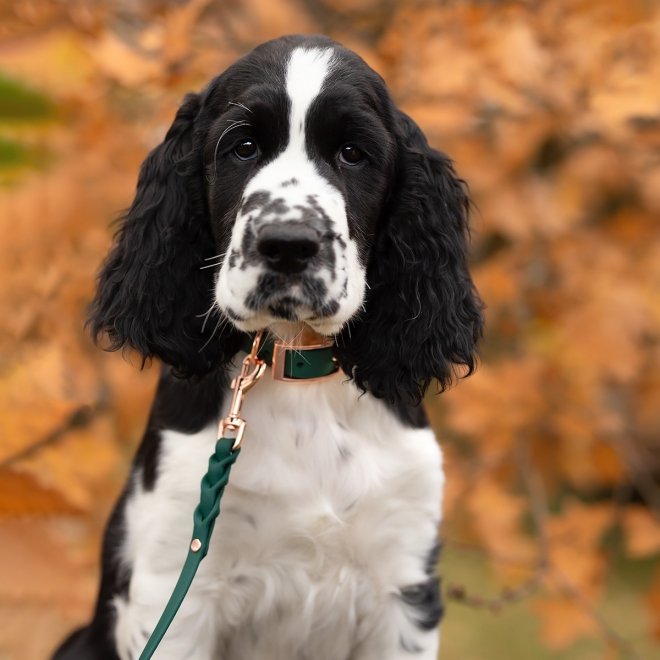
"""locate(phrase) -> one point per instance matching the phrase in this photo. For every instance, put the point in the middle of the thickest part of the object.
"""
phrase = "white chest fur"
(331, 509)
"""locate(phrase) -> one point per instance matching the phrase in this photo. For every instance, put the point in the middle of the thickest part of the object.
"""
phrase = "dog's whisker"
(208, 341)
(272, 332)
(206, 313)
(240, 105)
(221, 324)
(293, 343)
(207, 316)
(300, 355)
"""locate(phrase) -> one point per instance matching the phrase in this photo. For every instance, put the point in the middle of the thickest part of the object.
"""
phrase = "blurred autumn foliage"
(551, 110)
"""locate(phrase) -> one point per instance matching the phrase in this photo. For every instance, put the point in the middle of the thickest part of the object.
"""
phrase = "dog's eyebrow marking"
(233, 123)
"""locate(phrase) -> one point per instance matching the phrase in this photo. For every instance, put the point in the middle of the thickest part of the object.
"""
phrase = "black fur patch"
(413, 416)
(424, 600)
(256, 200)
(409, 646)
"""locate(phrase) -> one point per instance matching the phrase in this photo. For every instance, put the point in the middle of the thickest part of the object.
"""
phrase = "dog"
(289, 195)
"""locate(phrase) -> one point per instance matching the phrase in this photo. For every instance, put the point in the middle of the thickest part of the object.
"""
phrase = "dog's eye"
(246, 150)
(349, 154)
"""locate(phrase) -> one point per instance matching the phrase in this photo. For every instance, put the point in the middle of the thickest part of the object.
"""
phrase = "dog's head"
(292, 190)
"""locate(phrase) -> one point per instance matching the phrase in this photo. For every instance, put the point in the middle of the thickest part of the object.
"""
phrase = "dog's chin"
(285, 318)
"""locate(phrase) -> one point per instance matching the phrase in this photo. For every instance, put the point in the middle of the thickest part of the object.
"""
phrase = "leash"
(300, 363)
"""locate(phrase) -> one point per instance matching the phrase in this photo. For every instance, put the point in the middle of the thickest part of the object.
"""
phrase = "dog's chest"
(327, 507)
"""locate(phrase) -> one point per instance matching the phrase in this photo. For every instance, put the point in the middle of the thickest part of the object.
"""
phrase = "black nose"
(287, 247)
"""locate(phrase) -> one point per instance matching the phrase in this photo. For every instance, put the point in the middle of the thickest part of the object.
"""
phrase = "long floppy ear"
(152, 293)
(422, 316)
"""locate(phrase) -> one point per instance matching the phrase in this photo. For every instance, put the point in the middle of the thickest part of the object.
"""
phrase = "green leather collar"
(296, 363)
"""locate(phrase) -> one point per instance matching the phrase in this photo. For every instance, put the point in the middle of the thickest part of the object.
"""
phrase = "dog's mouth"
(287, 298)
(285, 310)
(288, 309)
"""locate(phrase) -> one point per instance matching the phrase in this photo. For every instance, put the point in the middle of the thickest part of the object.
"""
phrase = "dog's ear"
(152, 292)
(422, 316)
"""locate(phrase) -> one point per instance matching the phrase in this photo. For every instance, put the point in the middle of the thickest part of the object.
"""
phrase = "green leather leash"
(213, 486)
(289, 363)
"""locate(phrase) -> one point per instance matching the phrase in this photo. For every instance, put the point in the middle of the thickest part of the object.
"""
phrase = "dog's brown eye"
(350, 155)
(246, 150)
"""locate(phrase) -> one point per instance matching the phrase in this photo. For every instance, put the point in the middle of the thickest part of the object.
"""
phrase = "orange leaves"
(652, 599)
(563, 621)
(574, 541)
(497, 517)
(77, 464)
(552, 115)
(41, 378)
(576, 568)
(20, 496)
(28, 569)
(46, 585)
(498, 405)
(160, 50)
(550, 110)
(119, 61)
(642, 532)
(180, 21)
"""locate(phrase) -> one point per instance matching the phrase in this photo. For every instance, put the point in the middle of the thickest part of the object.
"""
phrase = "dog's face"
(293, 190)
(297, 163)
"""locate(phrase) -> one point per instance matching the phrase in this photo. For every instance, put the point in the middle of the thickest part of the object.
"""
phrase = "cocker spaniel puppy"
(289, 195)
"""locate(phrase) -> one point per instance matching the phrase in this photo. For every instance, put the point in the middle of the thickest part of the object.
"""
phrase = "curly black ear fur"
(151, 291)
(422, 316)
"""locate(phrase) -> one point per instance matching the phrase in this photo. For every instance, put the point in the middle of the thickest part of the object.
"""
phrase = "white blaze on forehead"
(306, 71)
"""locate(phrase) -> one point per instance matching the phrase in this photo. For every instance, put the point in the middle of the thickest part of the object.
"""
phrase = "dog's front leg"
(192, 635)
(406, 629)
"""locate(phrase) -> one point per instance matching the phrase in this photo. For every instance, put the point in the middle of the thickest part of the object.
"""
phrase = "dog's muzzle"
(289, 259)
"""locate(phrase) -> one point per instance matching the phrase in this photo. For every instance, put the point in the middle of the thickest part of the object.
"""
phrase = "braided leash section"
(212, 487)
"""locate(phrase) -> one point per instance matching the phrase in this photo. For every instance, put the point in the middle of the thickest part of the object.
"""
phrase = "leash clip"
(252, 370)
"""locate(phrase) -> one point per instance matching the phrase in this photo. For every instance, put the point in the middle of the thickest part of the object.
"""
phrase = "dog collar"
(297, 363)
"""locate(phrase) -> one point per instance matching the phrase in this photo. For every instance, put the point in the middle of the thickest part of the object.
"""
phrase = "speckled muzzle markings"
(290, 255)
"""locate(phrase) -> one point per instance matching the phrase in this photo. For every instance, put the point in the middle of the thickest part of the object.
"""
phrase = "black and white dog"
(316, 203)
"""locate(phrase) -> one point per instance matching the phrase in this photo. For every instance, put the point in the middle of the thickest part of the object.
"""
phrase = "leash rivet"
(196, 545)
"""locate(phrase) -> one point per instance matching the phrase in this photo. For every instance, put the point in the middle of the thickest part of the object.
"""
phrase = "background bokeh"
(551, 110)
